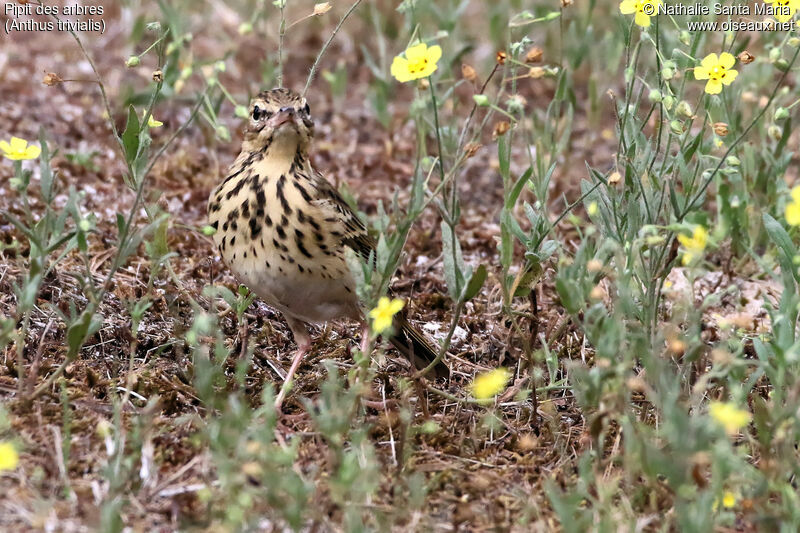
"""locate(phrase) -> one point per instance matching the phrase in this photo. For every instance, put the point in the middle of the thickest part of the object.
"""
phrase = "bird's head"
(280, 122)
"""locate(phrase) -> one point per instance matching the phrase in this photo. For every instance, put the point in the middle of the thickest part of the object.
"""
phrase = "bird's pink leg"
(364, 338)
(303, 345)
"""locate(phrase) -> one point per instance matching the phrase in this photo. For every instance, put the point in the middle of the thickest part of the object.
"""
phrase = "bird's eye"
(307, 109)
(256, 113)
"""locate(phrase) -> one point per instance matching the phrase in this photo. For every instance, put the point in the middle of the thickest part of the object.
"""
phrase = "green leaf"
(453, 262)
(86, 325)
(570, 294)
(475, 283)
(784, 243)
(517, 188)
(504, 157)
(46, 178)
(130, 137)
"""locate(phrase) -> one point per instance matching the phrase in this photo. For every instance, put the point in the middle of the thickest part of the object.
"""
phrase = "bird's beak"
(282, 117)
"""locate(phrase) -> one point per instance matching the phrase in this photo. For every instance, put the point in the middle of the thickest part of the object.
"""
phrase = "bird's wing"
(354, 233)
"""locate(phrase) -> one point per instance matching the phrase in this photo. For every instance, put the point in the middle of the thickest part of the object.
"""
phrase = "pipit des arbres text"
(283, 229)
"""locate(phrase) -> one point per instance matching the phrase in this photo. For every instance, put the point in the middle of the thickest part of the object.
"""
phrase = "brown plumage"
(283, 229)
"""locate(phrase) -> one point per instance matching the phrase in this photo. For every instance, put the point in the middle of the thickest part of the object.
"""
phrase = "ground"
(477, 478)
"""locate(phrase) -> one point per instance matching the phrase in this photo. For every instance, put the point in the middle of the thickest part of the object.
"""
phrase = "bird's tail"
(413, 344)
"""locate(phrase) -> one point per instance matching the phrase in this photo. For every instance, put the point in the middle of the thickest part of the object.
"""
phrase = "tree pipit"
(283, 230)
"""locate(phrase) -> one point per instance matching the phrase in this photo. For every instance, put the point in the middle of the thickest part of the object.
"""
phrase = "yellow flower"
(792, 211)
(489, 384)
(18, 149)
(728, 499)
(382, 315)
(8, 456)
(784, 10)
(420, 62)
(153, 123)
(717, 70)
(729, 416)
(694, 245)
(644, 9)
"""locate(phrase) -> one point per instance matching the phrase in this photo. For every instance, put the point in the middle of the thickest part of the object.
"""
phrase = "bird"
(283, 231)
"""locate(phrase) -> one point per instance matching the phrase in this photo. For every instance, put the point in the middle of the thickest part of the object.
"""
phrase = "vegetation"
(599, 228)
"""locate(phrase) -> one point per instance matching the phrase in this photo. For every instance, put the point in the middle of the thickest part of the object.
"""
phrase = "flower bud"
(774, 132)
(794, 41)
(684, 109)
(241, 111)
(223, 133)
(782, 65)
(676, 127)
(669, 101)
(774, 54)
(534, 55)
(471, 149)
(481, 100)
(594, 265)
(501, 128)
(51, 78)
(721, 129)
(685, 38)
(781, 113)
(208, 231)
(321, 9)
(746, 57)
(552, 16)
(516, 104)
(132, 61)
(468, 73)
(536, 72)
(732, 161)
(655, 96)
(245, 28)
(667, 73)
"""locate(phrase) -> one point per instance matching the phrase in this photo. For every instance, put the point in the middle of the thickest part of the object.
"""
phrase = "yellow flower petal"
(32, 152)
(18, 149)
(792, 214)
(730, 75)
(729, 416)
(726, 60)
(713, 87)
(490, 384)
(9, 458)
(153, 123)
(626, 7)
(383, 314)
(642, 20)
(416, 52)
(700, 237)
(710, 61)
(18, 145)
(701, 73)
(400, 69)
(419, 62)
(795, 190)
(434, 53)
(728, 500)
